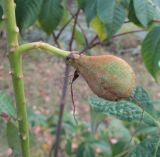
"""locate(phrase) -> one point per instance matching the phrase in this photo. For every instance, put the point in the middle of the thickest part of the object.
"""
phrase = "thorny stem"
(17, 75)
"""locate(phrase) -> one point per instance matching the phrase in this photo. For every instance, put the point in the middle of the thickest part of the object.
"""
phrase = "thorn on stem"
(24, 137)
(4, 17)
(19, 119)
(20, 77)
(12, 49)
(17, 29)
(10, 72)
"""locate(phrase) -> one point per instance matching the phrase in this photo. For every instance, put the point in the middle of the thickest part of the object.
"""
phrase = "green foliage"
(13, 138)
(81, 3)
(120, 133)
(79, 38)
(69, 147)
(123, 110)
(141, 97)
(105, 10)
(49, 12)
(99, 28)
(125, 3)
(117, 21)
(27, 12)
(132, 15)
(131, 110)
(106, 17)
(6, 105)
(150, 52)
(90, 9)
(85, 150)
(36, 119)
(126, 110)
(50, 15)
(104, 147)
(149, 148)
(143, 12)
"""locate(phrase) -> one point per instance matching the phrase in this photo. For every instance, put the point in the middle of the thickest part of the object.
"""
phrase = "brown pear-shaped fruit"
(108, 76)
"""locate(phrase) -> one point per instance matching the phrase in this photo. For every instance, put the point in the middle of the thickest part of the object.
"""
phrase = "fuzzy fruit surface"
(108, 76)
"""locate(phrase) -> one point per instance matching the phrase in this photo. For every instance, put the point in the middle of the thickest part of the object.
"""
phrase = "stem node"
(17, 29)
(20, 77)
(10, 72)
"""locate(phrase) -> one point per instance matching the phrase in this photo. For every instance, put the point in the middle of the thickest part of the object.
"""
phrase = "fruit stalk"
(41, 45)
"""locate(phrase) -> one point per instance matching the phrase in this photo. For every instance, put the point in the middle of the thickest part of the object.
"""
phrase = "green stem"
(35, 45)
(17, 74)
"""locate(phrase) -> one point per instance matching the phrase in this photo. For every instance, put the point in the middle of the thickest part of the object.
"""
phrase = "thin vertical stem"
(17, 74)
(64, 91)
(62, 104)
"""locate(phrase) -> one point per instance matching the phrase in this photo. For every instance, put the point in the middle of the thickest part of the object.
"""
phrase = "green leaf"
(145, 129)
(117, 21)
(132, 15)
(85, 150)
(123, 110)
(51, 15)
(119, 132)
(1, 13)
(36, 119)
(125, 3)
(104, 146)
(13, 138)
(99, 27)
(107, 30)
(151, 52)
(148, 148)
(79, 39)
(141, 97)
(90, 9)
(69, 147)
(146, 11)
(27, 12)
(89, 151)
(96, 119)
(82, 3)
(6, 105)
(143, 11)
(80, 150)
(105, 10)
